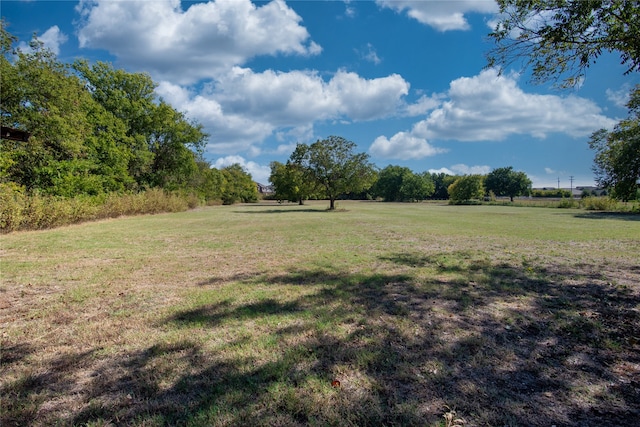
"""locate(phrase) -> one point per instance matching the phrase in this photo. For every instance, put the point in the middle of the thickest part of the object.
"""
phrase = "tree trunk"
(332, 204)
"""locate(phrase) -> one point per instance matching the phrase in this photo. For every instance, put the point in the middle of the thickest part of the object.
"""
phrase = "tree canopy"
(400, 184)
(333, 166)
(617, 159)
(467, 188)
(507, 182)
(96, 129)
(560, 39)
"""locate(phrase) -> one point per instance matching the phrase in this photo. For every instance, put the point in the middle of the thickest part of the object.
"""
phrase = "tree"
(560, 39)
(400, 184)
(441, 181)
(507, 182)
(617, 159)
(75, 145)
(130, 97)
(239, 186)
(290, 183)
(332, 165)
(466, 188)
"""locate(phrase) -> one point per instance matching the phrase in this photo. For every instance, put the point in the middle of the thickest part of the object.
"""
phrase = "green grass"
(245, 315)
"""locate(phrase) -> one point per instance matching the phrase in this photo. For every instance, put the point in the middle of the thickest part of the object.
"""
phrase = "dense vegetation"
(93, 130)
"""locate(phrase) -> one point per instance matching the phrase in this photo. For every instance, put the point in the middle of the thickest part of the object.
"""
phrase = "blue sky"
(405, 80)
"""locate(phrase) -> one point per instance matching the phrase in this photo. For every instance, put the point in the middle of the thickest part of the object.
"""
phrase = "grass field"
(277, 315)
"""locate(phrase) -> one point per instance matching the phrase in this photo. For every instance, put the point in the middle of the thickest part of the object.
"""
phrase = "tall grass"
(21, 211)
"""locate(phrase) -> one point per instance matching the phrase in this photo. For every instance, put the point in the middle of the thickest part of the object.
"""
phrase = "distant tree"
(290, 183)
(441, 182)
(400, 184)
(334, 167)
(560, 39)
(617, 158)
(238, 186)
(466, 188)
(209, 182)
(507, 182)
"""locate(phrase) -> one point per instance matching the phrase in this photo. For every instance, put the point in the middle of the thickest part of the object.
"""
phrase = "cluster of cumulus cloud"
(198, 54)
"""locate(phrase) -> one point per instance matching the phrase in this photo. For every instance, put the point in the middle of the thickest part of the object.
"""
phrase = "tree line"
(95, 129)
(330, 169)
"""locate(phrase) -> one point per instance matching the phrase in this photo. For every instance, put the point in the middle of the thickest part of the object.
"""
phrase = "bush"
(19, 211)
(567, 204)
(551, 193)
(12, 201)
(592, 203)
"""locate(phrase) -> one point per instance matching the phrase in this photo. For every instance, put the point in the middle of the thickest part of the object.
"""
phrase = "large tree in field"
(507, 182)
(290, 183)
(333, 166)
(617, 160)
(466, 188)
(560, 39)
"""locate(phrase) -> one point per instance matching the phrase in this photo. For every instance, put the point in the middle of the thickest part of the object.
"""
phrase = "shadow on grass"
(503, 345)
(624, 216)
(282, 211)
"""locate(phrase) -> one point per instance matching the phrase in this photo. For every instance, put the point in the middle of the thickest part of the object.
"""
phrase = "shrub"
(567, 204)
(551, 193)
(592, 203)
(12, 201)
(19, 211)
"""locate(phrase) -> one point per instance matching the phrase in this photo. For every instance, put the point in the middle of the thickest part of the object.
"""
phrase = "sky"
(407, 81)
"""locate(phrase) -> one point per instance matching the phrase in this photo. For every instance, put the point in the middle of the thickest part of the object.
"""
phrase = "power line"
(571, 180)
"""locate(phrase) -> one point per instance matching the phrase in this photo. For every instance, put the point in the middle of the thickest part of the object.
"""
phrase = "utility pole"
(571, 180)
(558, 183)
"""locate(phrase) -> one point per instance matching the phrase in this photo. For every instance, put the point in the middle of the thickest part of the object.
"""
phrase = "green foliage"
(592, 203)
(507, 182)
(617, 158)
(22, 211)
(239, 187)
(291, 184)
(441, 181)
(400, 184)
(333, 166)
(551, 193)
(164, 145)
(466, 189)
(561, 39)
(567, 204)
(95, 130)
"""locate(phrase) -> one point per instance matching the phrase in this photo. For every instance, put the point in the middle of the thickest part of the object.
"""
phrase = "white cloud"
(441, 15)
(492, 107)
(189, 44)
(619, 97)
(403, 146)
(51, 39)
(423, 105)
(259, 173)
(369, 54)
(243, 107)
(462, 169)
(549, 171)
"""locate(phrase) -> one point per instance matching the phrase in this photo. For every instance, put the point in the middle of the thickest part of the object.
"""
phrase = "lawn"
(375, 314)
